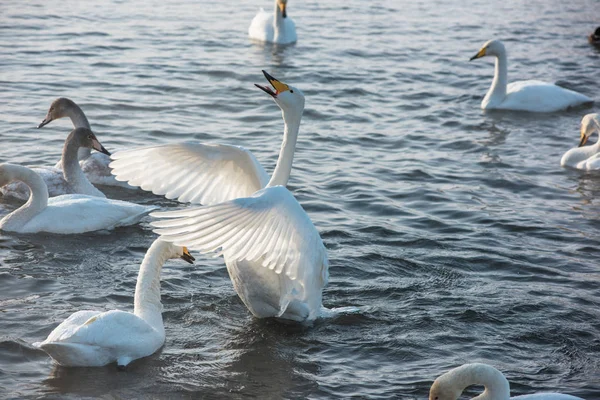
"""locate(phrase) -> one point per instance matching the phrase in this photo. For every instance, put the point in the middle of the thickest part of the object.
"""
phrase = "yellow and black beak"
(279, 87)
(583, 140)
(282, 6)
(480, 54)
(187, 257)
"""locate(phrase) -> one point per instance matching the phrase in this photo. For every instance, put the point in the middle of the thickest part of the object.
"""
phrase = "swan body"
(274, 27)
(65, 214)
(94, 165)
(95, 338)
(69, 179)
(532, 96)
(274, 254)
(587, 157)
(450, 385)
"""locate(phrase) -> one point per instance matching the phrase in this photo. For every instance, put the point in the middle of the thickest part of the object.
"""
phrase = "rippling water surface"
(455, 230)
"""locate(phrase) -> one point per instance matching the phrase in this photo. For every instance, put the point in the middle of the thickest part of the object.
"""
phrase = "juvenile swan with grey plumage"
(71, 178)
(94, 165)
(95, 338)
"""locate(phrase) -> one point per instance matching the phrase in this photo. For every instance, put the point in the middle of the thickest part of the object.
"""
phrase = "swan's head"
(490, 48)
(58, 109)
(288, 98)
(589, 124)
(444, 389)
(84, 137)
(171, 251)
(282, 4)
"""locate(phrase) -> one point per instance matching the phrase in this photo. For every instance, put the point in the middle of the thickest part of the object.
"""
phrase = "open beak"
(278, 86)
(282, 8)
(187, 256)
(98, 147)
(45, 122)
(479, 54)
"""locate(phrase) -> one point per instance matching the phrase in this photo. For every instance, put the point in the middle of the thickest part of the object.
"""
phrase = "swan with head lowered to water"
(273, 252)
(274, 27)
(93, 165)
(533, 96)
(585, 157)
(93, 338)
(450, 385)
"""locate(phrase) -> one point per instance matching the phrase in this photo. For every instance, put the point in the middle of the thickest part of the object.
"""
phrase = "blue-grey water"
(455, 230)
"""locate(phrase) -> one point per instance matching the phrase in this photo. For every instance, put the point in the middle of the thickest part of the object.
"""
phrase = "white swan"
(534, 96)
(274, 254)
(450, 385)
(94, 165)
(71, 178)
(95, 338)
(66, 214)
(274, 27)
(588, 157)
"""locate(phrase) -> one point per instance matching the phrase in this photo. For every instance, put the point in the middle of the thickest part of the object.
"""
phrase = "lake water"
(455, 230)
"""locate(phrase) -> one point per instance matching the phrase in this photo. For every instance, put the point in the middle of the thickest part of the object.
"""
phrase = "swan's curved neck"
(79, 120)
(496, 385)
(283, 169)
(497, 92)
(278, 20)
(72, 170)
(37, 202)
(147, 303)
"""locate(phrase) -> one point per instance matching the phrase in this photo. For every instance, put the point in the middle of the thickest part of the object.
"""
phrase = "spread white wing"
(191, 172)
(270, 227)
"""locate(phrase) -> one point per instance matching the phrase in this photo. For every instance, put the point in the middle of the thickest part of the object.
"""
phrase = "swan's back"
(102, 338)
(546, 396)
(261, 27)
(537, 96)
(53, 178)
(75, 213)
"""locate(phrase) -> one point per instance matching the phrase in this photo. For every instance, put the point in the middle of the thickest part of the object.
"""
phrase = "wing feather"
(191, 172)
(270, 226)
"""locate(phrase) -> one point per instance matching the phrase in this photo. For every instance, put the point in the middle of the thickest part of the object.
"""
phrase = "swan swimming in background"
(588, 157)
(94, 166)
(70, 178)
(274, 27)
(96, 338)
(534, 96)
(450, 385)
(274, 254)
(65, 214)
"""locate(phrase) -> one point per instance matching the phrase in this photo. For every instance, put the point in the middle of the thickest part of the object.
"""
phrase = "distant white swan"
(66, 214)
(588, 157)
(274, 254)
(94, 166)
(274, 27)
(534, 96)
(450, 385)
(70, 179)
(95, 338)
